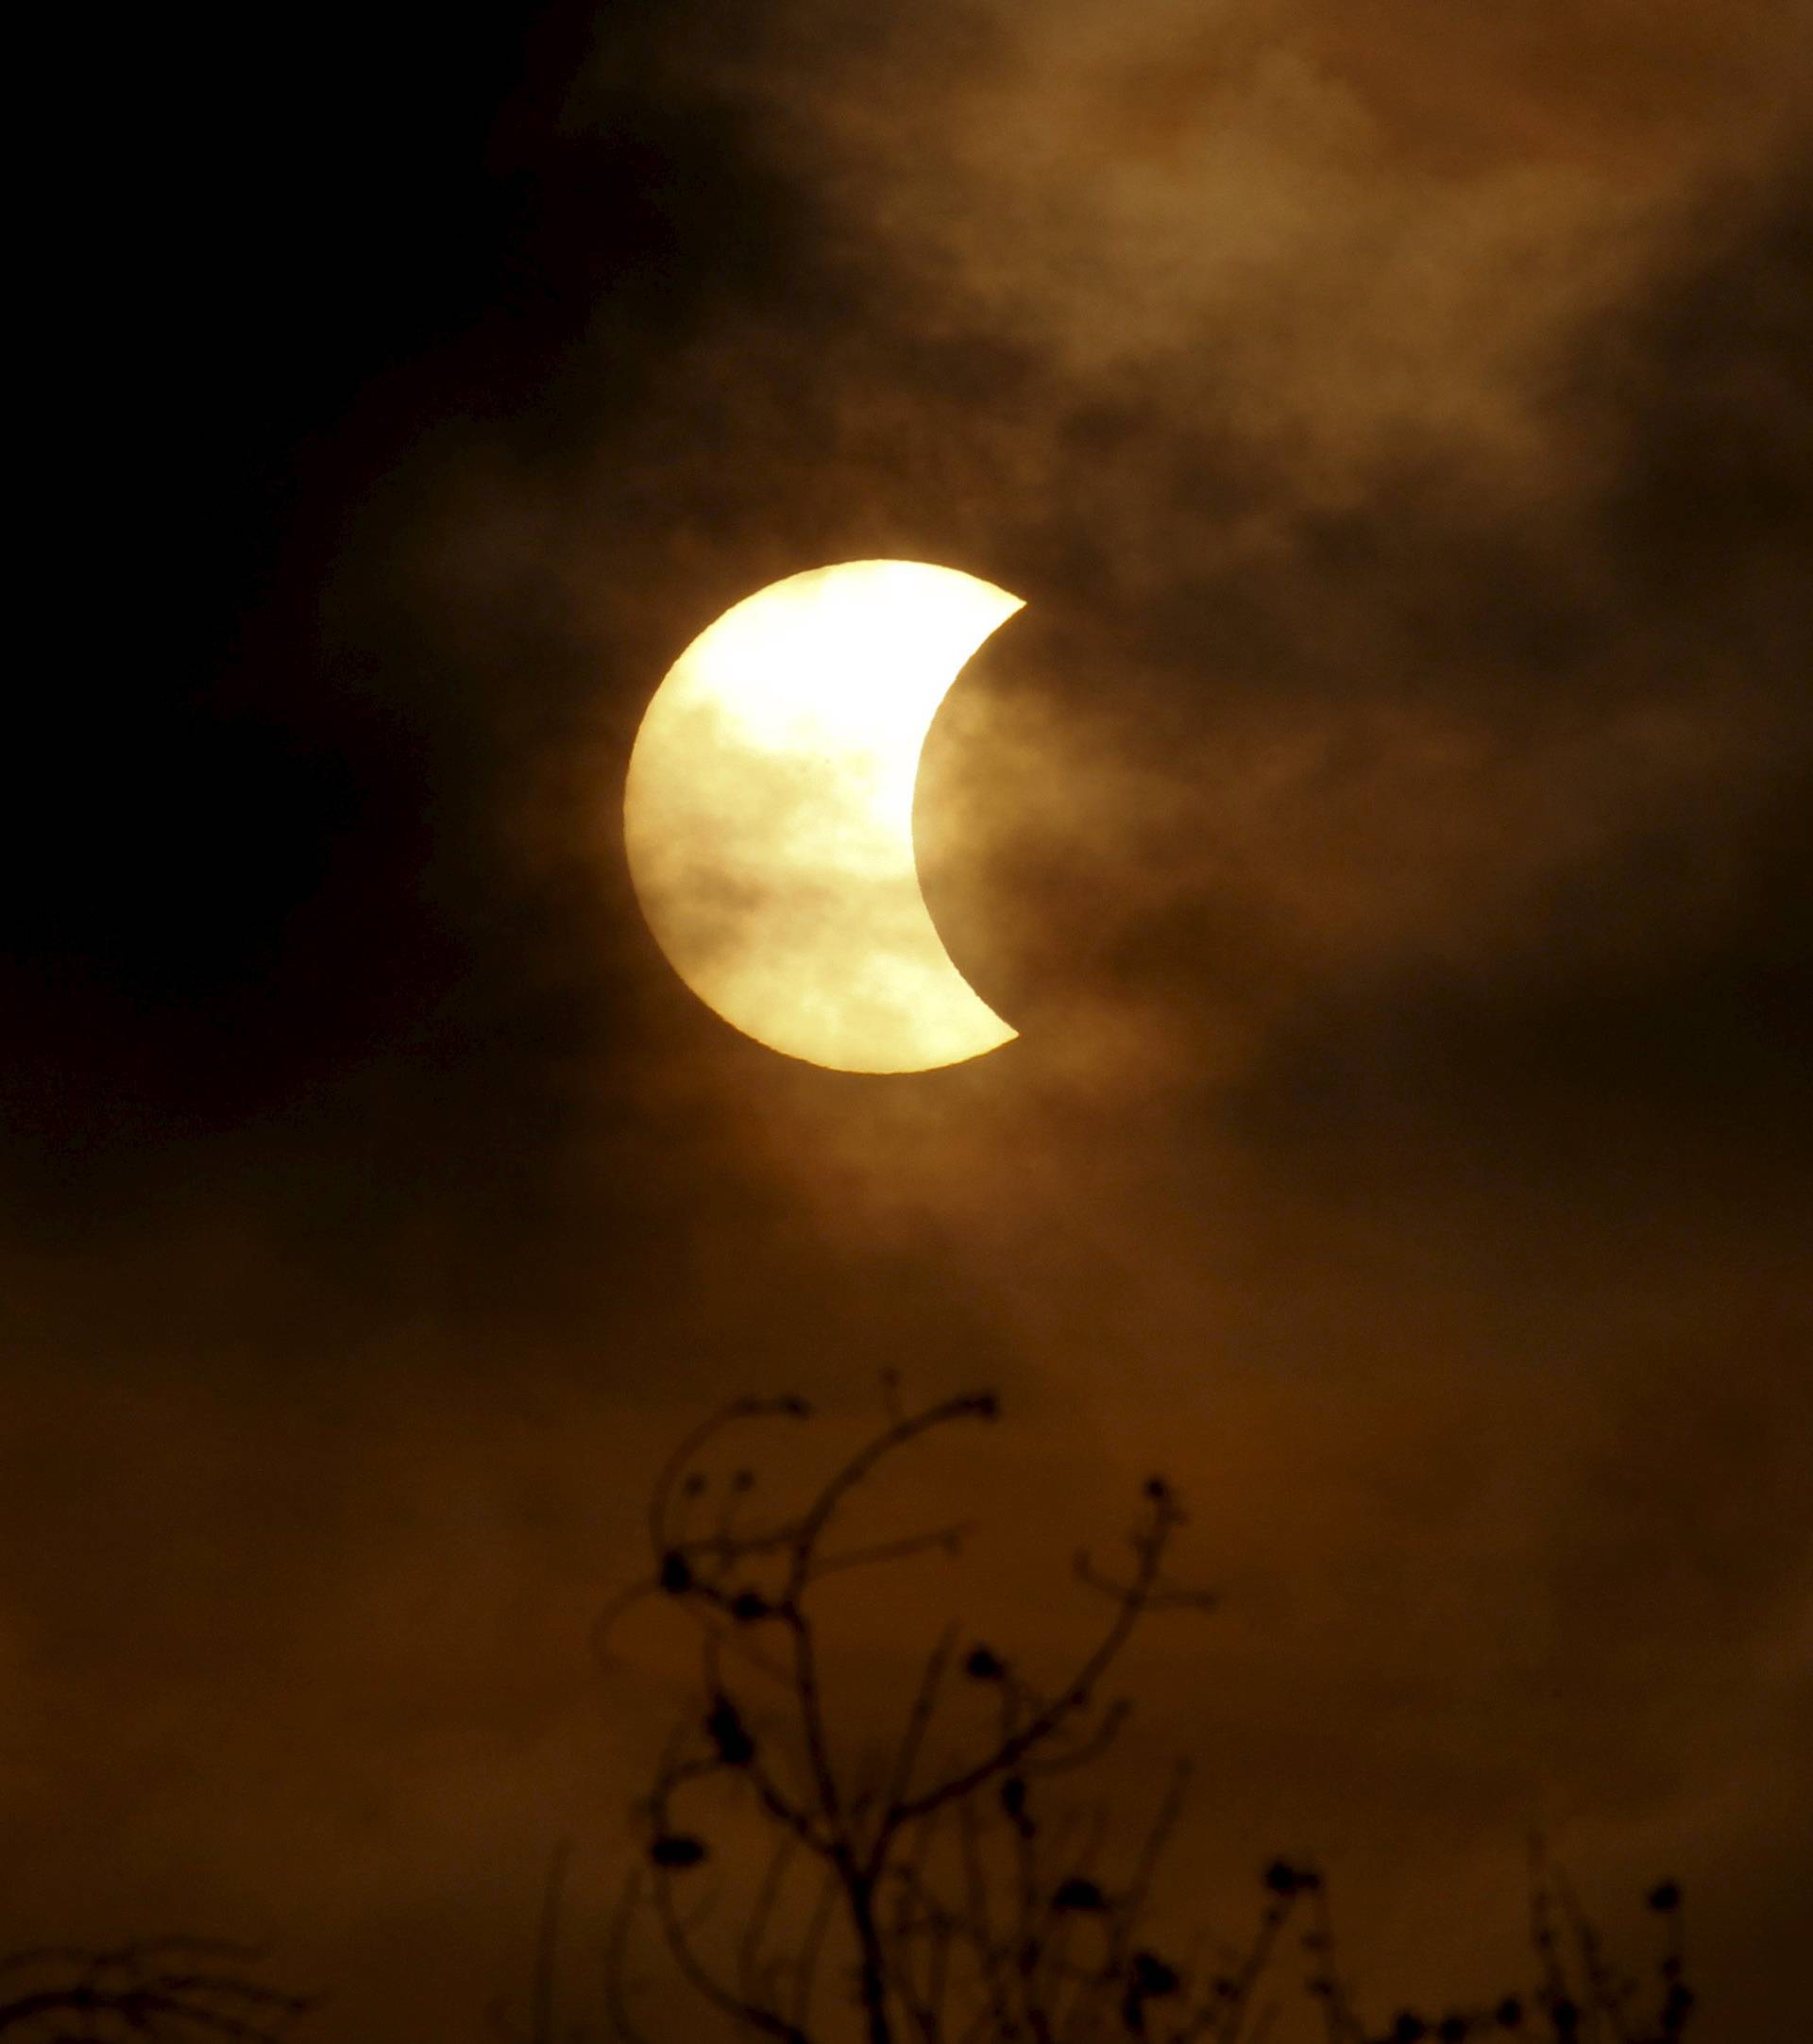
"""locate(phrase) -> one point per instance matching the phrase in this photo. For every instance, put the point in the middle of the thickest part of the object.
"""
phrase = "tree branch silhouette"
(961, 1908)
(932, 1879)
(168, 1990)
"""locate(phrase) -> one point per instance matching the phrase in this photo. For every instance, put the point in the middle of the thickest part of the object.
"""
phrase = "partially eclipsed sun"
(769, 815)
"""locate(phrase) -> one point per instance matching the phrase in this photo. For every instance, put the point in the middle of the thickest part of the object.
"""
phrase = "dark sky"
(1388, 826)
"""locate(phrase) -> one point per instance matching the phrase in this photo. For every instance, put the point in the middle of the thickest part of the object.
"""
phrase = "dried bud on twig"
(676, 1850)
(1080, 1895)
(735, 1748)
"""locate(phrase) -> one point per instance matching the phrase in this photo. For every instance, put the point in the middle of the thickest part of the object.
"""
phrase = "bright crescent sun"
(769, 815)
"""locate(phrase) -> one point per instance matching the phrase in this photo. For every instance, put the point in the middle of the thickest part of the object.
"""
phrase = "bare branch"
(1129, 1607)
(960, 1910)
(755, 1929)
(942, 1539)
(751, 2015)
(170, 1989)
(819, 1515)
(616, 2000)
(811, 1946)
(919, 1722)
(675, 1467)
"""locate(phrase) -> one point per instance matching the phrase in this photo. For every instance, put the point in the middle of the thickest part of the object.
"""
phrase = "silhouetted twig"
(168, 1990)
(962, 1906)
(936, 1880)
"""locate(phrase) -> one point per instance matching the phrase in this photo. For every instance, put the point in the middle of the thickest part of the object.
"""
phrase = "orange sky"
(1387, 825)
